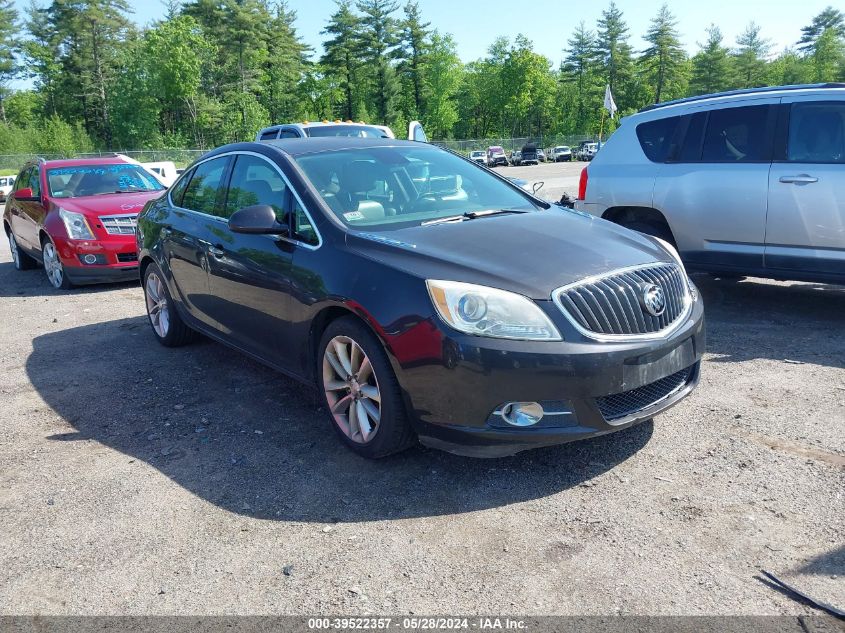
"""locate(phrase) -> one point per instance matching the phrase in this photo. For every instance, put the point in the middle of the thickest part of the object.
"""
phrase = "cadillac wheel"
(360, 390)
(53, 266)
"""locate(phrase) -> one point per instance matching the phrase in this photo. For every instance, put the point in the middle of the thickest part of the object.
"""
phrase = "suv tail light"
(582, 184)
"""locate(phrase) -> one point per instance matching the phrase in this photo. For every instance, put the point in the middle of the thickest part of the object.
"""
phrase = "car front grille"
(614, 305)
(127, 257)
(120, 224)
(619, 405)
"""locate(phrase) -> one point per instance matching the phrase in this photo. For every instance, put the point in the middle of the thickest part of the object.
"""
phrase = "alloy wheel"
(157, 309)
(352, 390)
(53, 266)
(13, 246)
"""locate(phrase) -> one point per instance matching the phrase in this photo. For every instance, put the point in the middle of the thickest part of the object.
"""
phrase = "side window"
(303, 230)
(23, 180)
(205, 186)
(177, 191)
(816, 132)
(736, 135)
(35, 181)
(690, 150)
(270, 135)
(289, 134)
(255, 181)
(656, 138)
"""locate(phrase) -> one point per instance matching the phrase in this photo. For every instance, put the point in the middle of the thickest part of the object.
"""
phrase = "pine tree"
(284, 67)
(830, 18)
(414, 50)
(615, 53)
(711, 66)
(828, 55)
(342, 58)
(379, 39)
(664, 61)
(8, 49)
(750, 57)
(579, 69)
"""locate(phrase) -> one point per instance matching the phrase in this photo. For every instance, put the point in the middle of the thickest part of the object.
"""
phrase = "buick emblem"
(653, 299)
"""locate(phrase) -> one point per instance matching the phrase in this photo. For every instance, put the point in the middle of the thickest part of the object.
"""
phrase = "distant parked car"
(6, 184)
(541, 155)
(165, 171)
(515, 158)
(314, 129)
(496, 156)
(749, 182)
(586, 151)
(78, 217)
(478, 156)
(529, 155)
(562, 153)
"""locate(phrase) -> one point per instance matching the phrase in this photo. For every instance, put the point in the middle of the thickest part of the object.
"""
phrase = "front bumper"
(455, 404)
(117, 259)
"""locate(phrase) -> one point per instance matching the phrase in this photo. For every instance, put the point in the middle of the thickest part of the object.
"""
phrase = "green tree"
(579, 69)
(8, 51)
(413, 53)
(828, 54)
(664, 61)
(712, 70)
(379, 39)
(828, 19)
(284, 67)
(615, 54)
(342, 58)
(750, 57)
(443, 77)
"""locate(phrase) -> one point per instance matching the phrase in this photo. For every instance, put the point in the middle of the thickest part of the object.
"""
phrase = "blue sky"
(549, 23)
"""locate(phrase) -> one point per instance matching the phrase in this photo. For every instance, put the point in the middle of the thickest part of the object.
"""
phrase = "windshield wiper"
(470, 215)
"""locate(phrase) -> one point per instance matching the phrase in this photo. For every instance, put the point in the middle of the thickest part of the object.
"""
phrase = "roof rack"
(741, 91)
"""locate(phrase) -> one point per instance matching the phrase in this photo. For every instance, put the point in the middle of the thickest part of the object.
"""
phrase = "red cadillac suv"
(77, 217)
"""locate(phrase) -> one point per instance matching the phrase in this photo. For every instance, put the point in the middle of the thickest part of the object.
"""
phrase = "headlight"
(76, 225)
(490, 312)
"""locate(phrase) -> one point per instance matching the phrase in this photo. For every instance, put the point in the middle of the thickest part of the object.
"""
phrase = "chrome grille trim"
(123, 224)
(607, 307)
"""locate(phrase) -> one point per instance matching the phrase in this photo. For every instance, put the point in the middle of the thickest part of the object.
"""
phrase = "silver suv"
(749, 182)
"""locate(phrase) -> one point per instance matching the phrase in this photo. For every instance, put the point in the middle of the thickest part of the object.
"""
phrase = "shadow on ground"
(33, 283)
(752, 319)
(253, 442)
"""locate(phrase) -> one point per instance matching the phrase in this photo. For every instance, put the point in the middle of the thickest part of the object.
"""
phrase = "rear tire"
(169, 328)
(21, 260)
(357, 383)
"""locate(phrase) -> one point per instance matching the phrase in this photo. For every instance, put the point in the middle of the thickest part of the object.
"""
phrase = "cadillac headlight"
(76, 225)
(490, 312)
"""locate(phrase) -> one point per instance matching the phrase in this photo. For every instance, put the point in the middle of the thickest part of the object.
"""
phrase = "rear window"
(737, 135)
(656, 138)
(360, 131)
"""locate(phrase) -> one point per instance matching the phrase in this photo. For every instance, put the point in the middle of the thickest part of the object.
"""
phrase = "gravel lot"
(142, 480)
(557, 178)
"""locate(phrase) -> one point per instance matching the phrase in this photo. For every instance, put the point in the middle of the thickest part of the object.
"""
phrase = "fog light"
(90, 259)
(522, 413)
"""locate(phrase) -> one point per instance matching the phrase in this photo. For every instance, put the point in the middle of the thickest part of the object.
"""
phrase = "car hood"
(531, 253)
(107, 204)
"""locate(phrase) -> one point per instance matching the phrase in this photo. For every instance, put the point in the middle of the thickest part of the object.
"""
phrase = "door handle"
(801, 179)
(215, 251)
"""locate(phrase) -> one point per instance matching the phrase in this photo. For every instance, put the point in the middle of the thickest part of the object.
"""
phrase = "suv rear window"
(656, 138)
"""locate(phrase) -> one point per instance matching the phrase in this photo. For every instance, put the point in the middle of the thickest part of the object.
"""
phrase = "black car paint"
(271, 296)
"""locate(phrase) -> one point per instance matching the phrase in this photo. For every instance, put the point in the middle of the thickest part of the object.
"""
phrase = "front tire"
(169, 328)
(360, 390)
(53, 267)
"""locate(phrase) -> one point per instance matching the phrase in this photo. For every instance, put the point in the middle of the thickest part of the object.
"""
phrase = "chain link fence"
(511, 144)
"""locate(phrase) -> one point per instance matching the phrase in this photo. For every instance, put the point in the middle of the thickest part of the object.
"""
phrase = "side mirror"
(25, 195)
(257, 220)
(416, 132)
(537, 186)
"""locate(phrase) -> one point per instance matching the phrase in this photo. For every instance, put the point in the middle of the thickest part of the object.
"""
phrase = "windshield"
(382, 188)
(94, 180)
(361, 131)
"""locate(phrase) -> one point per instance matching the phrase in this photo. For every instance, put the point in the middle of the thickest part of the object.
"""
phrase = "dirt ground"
(136, 479)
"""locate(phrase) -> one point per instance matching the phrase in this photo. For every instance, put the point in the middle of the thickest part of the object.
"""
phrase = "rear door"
(713, 189)
(250, 275)
(187, 234)
(805, 232)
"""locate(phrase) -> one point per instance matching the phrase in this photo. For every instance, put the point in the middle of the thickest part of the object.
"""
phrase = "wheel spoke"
(355, 358)
(335, 385)
(365, 371)
(354, 421)
(343, 357)
(164, 322)
(363, 420)
(371, 409)
(335, 363)
(371, 392)
(343, 404)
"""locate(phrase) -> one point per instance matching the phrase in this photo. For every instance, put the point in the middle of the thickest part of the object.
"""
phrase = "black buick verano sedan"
(424, 295)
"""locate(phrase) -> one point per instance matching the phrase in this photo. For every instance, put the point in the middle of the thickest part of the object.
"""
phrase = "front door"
(249, 275)
(28, 214)
(805, 232)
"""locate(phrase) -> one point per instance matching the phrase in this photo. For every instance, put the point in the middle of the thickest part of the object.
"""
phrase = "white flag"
(609, 103)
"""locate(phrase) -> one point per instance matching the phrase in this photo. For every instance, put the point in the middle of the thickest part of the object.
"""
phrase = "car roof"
(302, 146)
(731, 95)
